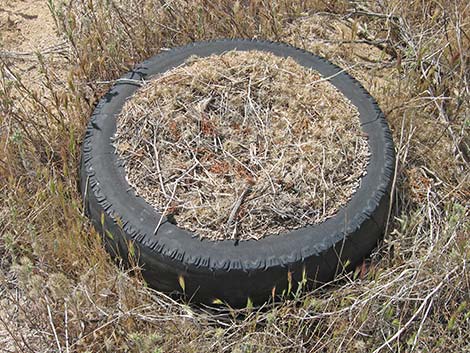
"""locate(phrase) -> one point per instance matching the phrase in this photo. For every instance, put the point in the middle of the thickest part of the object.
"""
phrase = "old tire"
(174, 260)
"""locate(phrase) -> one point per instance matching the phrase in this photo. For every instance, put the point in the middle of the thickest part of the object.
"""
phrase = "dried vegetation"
(242, 145)
(60, 292)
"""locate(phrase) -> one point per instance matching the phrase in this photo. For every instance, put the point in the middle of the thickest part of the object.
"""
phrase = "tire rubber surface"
(228, 270)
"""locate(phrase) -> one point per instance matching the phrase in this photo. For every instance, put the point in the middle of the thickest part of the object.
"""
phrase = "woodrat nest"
(242, 145)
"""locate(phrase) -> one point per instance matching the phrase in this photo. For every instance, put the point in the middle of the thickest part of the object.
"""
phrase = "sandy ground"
(26, 29)
(26, 26)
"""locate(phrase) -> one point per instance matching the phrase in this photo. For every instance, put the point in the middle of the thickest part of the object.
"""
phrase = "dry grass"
(242, 145)
(59, 290)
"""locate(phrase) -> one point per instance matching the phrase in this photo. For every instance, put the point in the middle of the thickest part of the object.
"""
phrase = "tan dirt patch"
(26, 30)
(27, 25)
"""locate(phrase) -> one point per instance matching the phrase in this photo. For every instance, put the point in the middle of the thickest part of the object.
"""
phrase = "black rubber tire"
(225, 270)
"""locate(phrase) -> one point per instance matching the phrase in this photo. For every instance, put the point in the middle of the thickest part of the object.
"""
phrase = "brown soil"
(242, 145)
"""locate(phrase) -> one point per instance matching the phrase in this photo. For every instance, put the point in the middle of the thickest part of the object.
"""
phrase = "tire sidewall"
(229, 270)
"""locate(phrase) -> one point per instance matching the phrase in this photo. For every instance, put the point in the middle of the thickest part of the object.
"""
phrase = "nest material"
(242, 145)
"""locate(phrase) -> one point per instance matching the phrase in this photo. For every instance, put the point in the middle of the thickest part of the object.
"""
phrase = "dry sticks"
(242, 145)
